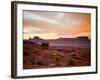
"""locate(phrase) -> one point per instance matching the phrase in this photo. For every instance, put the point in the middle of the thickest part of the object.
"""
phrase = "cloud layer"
(52, 25)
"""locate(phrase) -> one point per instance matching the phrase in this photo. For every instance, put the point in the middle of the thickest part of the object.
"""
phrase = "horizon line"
(58, 38)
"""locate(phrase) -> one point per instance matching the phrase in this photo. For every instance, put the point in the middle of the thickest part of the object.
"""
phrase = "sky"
(54, 25)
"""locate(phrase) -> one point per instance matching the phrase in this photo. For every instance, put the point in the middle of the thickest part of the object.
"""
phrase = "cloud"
(34, 30)
(30, 15)
(58, 23)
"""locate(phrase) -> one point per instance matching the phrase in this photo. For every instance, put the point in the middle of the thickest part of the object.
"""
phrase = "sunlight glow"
(52, 25)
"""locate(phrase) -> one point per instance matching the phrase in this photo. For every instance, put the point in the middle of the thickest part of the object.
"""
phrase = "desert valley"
(61, 52)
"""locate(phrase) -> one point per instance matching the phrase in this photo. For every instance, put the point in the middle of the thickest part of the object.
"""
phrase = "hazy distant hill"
(79, 41)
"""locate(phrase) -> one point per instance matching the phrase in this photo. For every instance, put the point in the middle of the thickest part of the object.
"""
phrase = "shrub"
(71, 62)
(45, 45)
(36, 62)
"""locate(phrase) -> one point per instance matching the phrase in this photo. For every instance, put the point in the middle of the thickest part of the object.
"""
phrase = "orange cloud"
(50, 25)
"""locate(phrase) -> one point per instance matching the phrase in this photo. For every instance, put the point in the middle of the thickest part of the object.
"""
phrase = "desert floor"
(39, 57)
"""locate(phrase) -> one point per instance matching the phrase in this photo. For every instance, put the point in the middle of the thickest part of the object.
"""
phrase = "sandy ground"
(39, 57)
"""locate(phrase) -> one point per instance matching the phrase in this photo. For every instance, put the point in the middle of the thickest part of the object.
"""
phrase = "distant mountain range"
(79, 41)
